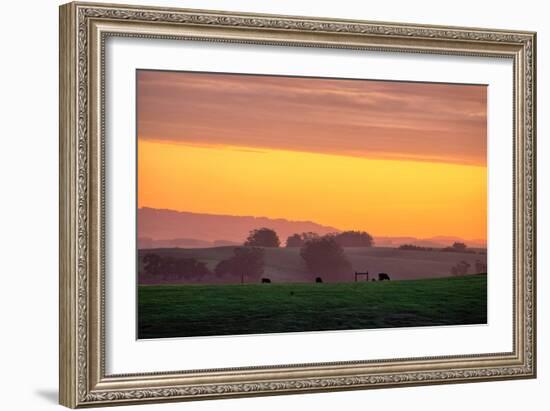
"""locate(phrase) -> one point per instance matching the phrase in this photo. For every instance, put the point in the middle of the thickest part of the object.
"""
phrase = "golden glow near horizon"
(390, 158)
(383, 197)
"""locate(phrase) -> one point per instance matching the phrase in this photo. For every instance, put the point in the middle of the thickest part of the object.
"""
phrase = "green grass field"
(202, 310)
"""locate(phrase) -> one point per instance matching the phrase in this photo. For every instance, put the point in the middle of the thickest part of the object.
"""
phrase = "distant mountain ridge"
(162, 228)
(187, 229)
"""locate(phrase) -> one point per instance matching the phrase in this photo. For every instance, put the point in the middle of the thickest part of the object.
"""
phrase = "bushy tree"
(152, 263)
(324, 257)
(459, 246)
(262, 237)
(412, 247)
(298, 240)
(295, 240)
(171, 267)
(461, 268)
(354, 239)
(246, 262)
(224, 268)
(190, 268)
(481, 267)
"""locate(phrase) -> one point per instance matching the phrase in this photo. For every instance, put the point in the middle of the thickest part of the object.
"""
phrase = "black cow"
(383, 276)
(318, 280)
(266, 280)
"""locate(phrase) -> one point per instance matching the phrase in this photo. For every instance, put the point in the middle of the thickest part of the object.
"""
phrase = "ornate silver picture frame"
(84, 30)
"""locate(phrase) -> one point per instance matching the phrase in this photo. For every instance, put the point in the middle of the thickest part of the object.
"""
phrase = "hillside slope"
(155, 225)
(286, 265)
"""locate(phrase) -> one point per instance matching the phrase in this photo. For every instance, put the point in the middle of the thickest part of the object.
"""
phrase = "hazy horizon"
(186, 231)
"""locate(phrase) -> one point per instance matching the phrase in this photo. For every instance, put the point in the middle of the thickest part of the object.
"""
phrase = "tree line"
(323, 257)
(266, 237)
(168, 267)
(457, 247)
(247, 261)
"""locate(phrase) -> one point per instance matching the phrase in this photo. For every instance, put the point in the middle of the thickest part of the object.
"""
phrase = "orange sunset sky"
(390, 158)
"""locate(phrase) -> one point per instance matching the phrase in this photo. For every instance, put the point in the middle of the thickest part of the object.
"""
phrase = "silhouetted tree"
(190, 268)
(168, 267)
(354, 239)
(481, 267)
(246, 262)
(262, 237)
(152, 263)
(298, 240)
(224, 267)
(325, 257)
(412, 247)
(295, 240)
(171, 267)
(459, 246)
(461, 268)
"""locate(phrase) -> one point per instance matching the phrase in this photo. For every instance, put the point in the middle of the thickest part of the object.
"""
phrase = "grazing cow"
(383, 276)
(318, 280)
(266, 280)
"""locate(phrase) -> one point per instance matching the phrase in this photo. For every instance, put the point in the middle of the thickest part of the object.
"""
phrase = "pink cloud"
(352, 117)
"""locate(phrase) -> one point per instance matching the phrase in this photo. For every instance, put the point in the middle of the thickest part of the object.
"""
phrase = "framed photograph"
(259, 204)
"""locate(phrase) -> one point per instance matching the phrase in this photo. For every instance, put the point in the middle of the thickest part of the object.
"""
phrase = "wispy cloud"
(399, 120)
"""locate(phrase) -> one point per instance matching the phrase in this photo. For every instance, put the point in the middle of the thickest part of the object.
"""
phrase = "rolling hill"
(160, 228)
(200, 230)
(286, 265)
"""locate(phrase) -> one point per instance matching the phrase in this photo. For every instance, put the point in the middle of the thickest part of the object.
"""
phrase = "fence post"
(357, 274)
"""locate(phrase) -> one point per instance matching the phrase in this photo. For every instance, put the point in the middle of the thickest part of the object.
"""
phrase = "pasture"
(204, 310)
(283, 265)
